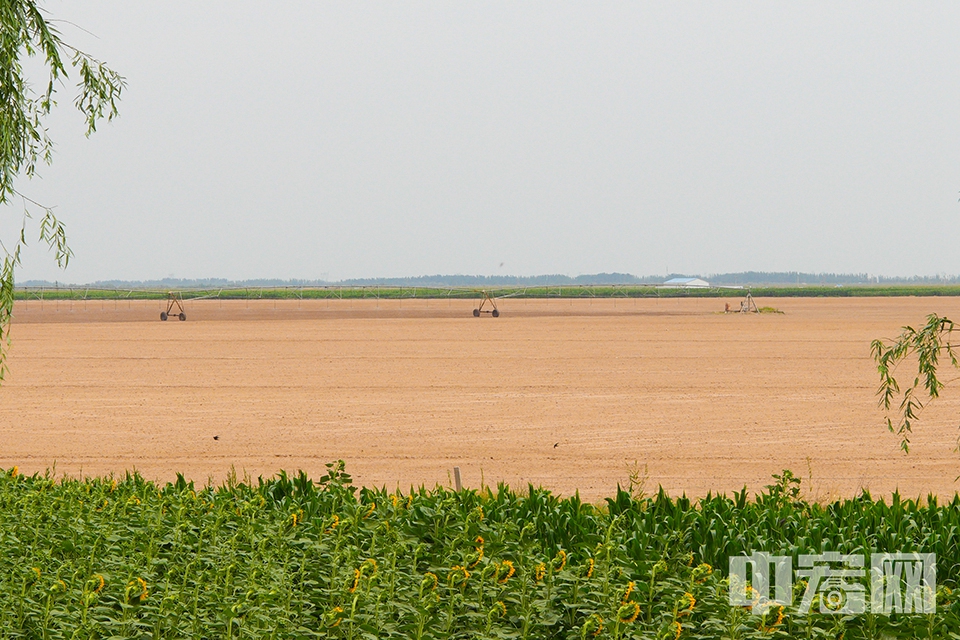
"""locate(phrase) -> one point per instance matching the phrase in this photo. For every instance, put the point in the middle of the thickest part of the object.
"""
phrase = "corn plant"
(290, 557)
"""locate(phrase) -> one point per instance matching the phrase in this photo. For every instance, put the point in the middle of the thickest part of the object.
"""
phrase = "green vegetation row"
(293, 558)
(566, 291)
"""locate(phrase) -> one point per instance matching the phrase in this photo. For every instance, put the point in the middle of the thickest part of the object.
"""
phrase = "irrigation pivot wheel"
(487, 298)
(174, 301)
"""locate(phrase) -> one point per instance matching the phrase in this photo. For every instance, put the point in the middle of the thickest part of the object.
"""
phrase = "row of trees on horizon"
(781, 278)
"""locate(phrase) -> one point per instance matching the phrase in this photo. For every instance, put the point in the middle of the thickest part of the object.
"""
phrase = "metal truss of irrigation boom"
(360, 291)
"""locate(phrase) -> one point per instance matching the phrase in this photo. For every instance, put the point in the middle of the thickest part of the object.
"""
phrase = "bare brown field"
(568, 394)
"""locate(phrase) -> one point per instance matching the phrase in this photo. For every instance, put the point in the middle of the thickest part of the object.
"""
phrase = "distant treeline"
(749, 278)
(801, 278)
(501, 281)
(177, 283)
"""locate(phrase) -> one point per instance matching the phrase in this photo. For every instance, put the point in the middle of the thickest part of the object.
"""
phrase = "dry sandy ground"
(568, 394)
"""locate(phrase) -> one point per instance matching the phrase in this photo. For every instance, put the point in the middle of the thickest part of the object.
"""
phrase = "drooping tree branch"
(26, 33)
(927, 344)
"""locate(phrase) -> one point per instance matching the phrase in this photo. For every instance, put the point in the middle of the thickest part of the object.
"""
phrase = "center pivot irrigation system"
(489, 298)
(483, 301)
(746, 306)
(174, 300)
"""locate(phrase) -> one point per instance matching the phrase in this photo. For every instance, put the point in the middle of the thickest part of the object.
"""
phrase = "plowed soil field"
(568, 394)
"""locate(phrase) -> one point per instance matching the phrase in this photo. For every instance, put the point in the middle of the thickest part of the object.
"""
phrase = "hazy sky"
(359, 139)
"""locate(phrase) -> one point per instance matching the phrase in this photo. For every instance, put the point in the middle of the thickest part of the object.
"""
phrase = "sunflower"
(338, 614)
(540, 571)
(510, 571)
(479, 547)
(701, 572)
(595, 620)
(454, 571)
(137, 590)
(628, 612)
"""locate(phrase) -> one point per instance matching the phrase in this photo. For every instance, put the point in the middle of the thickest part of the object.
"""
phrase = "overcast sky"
(360, 139)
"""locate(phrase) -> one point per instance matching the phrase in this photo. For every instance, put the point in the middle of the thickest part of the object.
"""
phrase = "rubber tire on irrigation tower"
(163, 316)
(183, 317)
(496, 313)
(476, 313)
